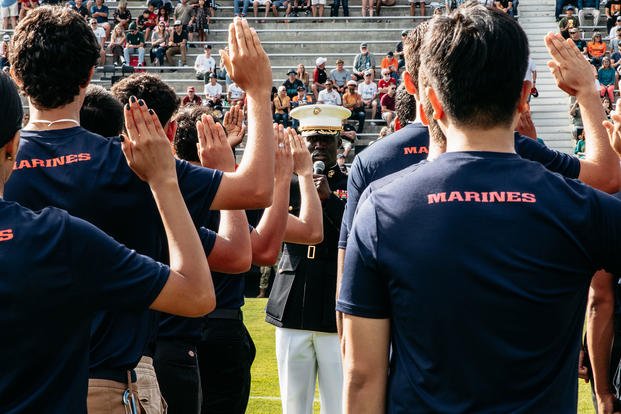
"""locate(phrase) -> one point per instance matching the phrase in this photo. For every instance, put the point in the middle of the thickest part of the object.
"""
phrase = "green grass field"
(264, 393)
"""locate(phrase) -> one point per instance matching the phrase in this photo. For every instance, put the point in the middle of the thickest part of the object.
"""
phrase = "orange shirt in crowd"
(596, 49)
(390, 62)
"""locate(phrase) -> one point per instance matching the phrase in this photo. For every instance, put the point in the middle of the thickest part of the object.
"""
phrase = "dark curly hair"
(101, 112)
(11, 112)
(52, 56)
(186, 136)
(150, 88)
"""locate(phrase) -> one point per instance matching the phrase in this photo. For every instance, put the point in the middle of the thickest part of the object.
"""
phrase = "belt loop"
(310, 253)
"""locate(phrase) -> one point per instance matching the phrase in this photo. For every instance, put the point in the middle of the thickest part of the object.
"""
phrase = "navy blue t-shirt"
(57, 271)
(411, 146)
(88, 176)
(482, 262)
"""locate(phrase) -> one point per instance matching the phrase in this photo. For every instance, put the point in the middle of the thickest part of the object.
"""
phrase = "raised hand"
(246, 62)
(302, 161)
(146, 147)
(614, 129)
(214, 150)
(283, 167)
(526, 126)
(233, 123)
(573, 73)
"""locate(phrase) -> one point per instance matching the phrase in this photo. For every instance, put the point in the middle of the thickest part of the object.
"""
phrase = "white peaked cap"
(320, 119)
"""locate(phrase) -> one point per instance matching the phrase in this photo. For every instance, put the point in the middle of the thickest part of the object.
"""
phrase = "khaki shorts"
(149, 393)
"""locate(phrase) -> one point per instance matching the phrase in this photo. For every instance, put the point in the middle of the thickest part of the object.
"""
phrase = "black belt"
(235, 314)
(117, 375)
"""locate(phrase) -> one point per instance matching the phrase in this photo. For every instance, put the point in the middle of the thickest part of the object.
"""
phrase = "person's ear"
(10, 148)
(438, 110)
(410, 84)
(524, 94)
(171, 129)
(423, 115)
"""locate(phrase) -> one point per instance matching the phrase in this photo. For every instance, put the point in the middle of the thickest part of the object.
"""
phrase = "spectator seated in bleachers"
(399, 50)
(100, 12)
(205, 64)
(301, 99)
(390, 62)
(581, 44)
(159, 42)
(79, 7)
(117, 45)
(329, 95)
(303, 75)
(184, 13)
(4, 51)
(352, 100)
(282, 104)
(244, 3)
(177, 44)
(158, 4)
(122, 15)
(559, 7)
(340, 76)
(348, 137)
(505, 6)
(613, 31)
(612, 10)
(281, 4)
(417, 4)
(608, 79)
(299, 6)
(235, 95)
(363, 62)
(588, 8)
(100, 34)
(134, 44)
(163, 15)
(213, 92)
(292, 83)
(319, 76)
(568, 22)
(596, 49)
(388, 104)
(368, 91)
(191, 98)
(27, 6)
(317, 7)
(147, 21)
(385, 83)
(267, 4)
(368, 8)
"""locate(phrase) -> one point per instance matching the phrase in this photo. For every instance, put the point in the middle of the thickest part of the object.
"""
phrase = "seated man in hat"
(363, 62)
(368, 91)
(352, 100)
(301, 303)
(292, 83)
(178, 44)
(319, 76)
(570, 21)
(213, 92)
(205, 64)
(135, 44)
(191, 98)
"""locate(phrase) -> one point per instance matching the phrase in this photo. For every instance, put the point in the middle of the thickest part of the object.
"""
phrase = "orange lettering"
(409, 150)
(484, 197)
(423, 150)
(6, 235)
(59, 161)
(472, 196)
(85, 156)
(497, 196)
(513, 197)
(436, 198)
(455, 196)
(37, 163)
(24, 164)
(71, 158)
(529, 198)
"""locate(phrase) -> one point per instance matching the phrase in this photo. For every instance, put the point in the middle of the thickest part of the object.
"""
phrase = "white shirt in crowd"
(100, 34)
(530, 69)
(329, 98)
(367, 90)
(213, 91)
(204, 64)
(236, 91)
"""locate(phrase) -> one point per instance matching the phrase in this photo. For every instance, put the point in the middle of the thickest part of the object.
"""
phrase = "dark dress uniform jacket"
(303, 294)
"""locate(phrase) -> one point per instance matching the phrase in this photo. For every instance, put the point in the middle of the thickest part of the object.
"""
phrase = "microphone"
(319, 167)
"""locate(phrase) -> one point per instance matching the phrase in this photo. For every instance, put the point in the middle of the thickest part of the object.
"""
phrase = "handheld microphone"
(319, 167)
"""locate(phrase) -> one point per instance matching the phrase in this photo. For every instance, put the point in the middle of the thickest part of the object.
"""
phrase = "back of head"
(150, 88)
(186, 136)
(101, 112)
(405, 105)
(475, 59)
(11, 112)
(411, 48)
(53, 54)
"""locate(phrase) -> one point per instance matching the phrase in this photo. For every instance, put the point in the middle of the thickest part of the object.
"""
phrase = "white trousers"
(588, 11)
(302, 356)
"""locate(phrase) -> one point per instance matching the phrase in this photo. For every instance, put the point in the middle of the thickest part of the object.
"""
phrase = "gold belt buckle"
(310, 254)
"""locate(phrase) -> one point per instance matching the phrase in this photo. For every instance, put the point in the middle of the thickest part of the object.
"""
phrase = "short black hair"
(101, 112)
(53, 53)
(475, 59)
(405, 105)
(150, 88)
(186, 136)
(11, 111)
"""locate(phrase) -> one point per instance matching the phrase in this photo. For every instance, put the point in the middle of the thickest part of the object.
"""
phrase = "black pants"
(176, 367)
(225, 356)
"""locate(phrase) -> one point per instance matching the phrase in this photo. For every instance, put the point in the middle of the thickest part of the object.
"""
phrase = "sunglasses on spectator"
(573, 31)
(368, 74)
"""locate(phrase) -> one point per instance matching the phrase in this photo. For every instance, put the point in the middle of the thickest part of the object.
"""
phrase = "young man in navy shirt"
(510, 250)
(59, 270)
(63, 165)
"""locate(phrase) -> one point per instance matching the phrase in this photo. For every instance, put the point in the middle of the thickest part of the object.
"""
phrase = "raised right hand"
(146, 147)
(214, 150)
(302, 160)
(283, 162)
(573, 73)
(246, 62)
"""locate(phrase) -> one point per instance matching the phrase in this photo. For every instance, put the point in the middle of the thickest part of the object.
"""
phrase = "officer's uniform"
(302, 307)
